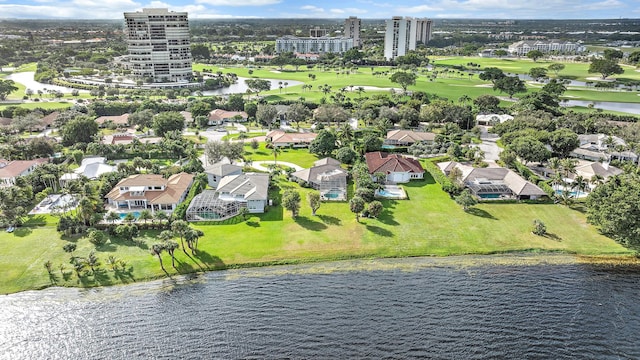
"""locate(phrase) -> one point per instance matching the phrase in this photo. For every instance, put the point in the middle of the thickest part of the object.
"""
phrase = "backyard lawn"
(428, 224)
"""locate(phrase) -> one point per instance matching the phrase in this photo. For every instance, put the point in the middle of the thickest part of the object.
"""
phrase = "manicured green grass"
(575, 71)
(43, 105)
(300, 157)
(428, 224)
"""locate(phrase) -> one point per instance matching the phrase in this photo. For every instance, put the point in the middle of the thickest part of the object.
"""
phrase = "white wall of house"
(399, 177)
(256, 206)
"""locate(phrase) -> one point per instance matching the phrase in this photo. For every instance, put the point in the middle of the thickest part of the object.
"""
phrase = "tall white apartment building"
(402, 35)
(352, 29)
(159, 46)
(313, 45)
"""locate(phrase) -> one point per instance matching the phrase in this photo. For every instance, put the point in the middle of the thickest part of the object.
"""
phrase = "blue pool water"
(572, 193)
(489, 196)
(331, 195)
(136, 214)
(385, 193)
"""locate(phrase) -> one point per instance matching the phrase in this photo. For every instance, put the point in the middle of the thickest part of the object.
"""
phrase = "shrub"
(539, 228)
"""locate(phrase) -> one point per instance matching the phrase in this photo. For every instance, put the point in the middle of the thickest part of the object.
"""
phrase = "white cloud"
(604, 5)
(312, 8)
(418, 9)
(238, 2)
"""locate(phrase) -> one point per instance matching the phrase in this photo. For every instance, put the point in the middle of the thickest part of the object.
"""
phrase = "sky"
(372, 9)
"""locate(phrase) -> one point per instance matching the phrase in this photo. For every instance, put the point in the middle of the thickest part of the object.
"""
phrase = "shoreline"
(357, 263)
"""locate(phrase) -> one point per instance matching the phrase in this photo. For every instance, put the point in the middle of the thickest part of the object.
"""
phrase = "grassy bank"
(427, 224)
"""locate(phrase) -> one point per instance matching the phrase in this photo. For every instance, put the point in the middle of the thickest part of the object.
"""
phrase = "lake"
(241, 88)
(452, 308)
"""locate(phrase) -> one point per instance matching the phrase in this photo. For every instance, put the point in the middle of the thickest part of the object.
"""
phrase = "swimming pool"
(390, 192)
(571, 193)
(136, 214)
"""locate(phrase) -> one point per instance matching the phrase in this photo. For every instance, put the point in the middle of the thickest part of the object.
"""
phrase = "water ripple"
(439, 312)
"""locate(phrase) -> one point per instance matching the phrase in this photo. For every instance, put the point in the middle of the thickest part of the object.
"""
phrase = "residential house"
(119, 121)
(493, 182)
(492, 119)
(10, 170)
(408, 137)
(327, 176)
(150, 191)
(398, 169)
(219, 116)
(48, 120)
(91, 168)
(128, 137)
(282, 111)
(250, 189)
(219, 170)
(280, 138)
(592, 170)
(602, 147)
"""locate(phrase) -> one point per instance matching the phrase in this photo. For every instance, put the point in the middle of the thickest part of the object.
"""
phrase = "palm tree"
(160, 216)
(145, 215)
(92, 261)
(569, 166)
(275, 151)
(346, 134)
(180, 228)
(156, 250)
(170, 247)
(190, 236)
(360, 90)
(113, 216)
(580, 184)
(596, 180)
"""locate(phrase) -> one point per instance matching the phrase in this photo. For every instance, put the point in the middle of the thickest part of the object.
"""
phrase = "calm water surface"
(412, 308)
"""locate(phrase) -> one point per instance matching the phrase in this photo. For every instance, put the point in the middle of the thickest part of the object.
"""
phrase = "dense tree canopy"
(258, 85)
(614, 207)
(510, 85)
(324, 144)
(82, 129)
(529, 149)
(535, 55)
(492, 74)
(404, 79)
(563, 141)
(605, 67)
(168, 121)
(6, 88)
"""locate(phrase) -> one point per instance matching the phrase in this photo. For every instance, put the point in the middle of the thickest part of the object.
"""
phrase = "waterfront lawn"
(430, 223)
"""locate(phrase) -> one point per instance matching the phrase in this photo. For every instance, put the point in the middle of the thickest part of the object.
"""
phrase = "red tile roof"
(221, 115)
(390, 163)
(119, 120)
(17, 167)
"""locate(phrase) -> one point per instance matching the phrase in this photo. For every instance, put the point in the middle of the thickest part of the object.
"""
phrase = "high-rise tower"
(159, 46)
(352, 30)
(402, 35)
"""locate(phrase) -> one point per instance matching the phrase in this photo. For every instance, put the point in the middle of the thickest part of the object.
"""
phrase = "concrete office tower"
(402, 35)
(159, 46)
(352, 30)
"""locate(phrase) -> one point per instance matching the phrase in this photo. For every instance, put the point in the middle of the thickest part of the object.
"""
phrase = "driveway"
(491, 149)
